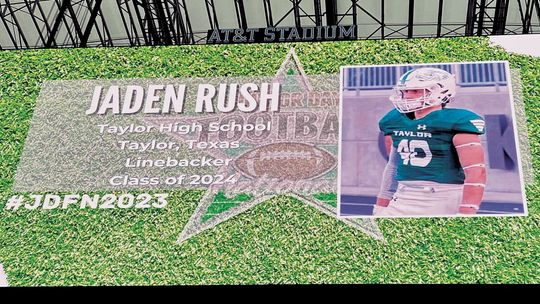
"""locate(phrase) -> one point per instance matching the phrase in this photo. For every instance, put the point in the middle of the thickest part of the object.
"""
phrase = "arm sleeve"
(389, 182)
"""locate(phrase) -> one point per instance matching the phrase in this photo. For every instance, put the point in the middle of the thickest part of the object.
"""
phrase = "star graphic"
(3, 277)
(281, 164)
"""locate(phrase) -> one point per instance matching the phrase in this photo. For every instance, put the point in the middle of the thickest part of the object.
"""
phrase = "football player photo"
(428, 141)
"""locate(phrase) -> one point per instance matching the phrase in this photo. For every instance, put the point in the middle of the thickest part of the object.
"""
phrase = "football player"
(436, 160)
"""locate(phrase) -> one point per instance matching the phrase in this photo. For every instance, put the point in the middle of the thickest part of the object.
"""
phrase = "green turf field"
(280, 241)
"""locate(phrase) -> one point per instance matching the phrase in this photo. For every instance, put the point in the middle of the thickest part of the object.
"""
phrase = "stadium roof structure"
(97, 23)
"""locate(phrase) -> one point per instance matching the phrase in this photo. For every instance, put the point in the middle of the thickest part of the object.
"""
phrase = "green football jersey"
(424, 146)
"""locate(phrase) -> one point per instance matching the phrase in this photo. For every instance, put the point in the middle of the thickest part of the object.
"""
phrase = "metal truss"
(300, 13)
(489, 17)
(87, 23)
(527, 10)
(67, 23)
(386, 30)
(486, 17)
(240, 14)
(158, 22)
(12, 25)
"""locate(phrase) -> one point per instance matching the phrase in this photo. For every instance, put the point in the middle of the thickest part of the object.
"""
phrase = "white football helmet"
(438, 85)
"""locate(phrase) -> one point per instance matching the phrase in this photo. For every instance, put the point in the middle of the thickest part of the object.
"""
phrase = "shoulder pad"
(388, 120)
(466, 121)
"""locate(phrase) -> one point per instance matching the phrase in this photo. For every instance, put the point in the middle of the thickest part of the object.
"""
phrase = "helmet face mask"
(406, 104)
(438, 87)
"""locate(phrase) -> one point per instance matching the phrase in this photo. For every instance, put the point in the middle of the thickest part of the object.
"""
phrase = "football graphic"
(285, 161)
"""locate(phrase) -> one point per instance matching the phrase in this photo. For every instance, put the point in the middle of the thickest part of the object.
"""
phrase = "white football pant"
(419, 198)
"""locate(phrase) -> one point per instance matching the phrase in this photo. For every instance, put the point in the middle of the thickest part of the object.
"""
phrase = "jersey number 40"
(408, 151)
